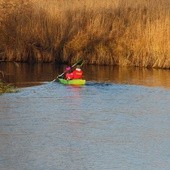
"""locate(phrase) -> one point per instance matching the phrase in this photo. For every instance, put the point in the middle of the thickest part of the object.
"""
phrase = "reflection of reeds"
(134, 32)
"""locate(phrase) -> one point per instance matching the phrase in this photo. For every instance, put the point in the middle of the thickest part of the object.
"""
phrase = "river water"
(119, 120)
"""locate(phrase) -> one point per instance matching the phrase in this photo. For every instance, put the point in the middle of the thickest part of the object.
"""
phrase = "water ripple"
(96, 126)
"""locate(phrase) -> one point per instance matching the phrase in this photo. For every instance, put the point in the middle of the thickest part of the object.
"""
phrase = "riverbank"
(7, 88)
(133, 33)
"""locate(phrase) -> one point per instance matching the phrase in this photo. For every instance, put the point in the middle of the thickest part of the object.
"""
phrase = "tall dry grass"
(113, 32)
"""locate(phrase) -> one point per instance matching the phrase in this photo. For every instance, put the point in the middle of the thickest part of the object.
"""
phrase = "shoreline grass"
(7, 88)
(111, 32)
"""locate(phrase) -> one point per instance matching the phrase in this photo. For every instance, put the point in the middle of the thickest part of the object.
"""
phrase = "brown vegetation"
(111, 32)
(7, 88)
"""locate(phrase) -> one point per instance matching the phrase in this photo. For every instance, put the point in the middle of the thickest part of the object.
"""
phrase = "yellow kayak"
(72, 82)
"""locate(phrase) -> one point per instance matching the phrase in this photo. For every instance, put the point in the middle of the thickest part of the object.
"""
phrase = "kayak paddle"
(78, 62)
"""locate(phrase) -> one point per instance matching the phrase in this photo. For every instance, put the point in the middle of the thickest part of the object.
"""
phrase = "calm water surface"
(119, 120)
(23, 75)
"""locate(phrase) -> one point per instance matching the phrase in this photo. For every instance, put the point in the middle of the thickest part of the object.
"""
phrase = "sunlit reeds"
(110, 32)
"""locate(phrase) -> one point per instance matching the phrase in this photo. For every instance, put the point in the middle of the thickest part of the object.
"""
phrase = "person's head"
(78, 66)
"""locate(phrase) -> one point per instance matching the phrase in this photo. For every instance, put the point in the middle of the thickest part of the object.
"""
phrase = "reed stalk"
(110, 32)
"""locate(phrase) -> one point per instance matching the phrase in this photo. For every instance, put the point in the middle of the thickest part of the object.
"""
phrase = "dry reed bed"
(111, 32)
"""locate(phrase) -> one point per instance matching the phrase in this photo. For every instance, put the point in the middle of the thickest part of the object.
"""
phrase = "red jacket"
(77, 73)
(69, 76)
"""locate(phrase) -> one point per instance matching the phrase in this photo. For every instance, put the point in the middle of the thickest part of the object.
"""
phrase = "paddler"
(76, 74)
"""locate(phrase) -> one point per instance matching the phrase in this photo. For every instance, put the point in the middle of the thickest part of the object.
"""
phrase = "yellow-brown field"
(111, 32)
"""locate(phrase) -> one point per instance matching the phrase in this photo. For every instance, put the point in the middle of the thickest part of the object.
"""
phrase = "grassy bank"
(6, 88)
(113, 32)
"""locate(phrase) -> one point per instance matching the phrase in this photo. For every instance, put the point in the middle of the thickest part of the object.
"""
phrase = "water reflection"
(130, 75)
(32, 74)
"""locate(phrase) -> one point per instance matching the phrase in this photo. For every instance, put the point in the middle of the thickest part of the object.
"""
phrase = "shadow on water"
(98, 84)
